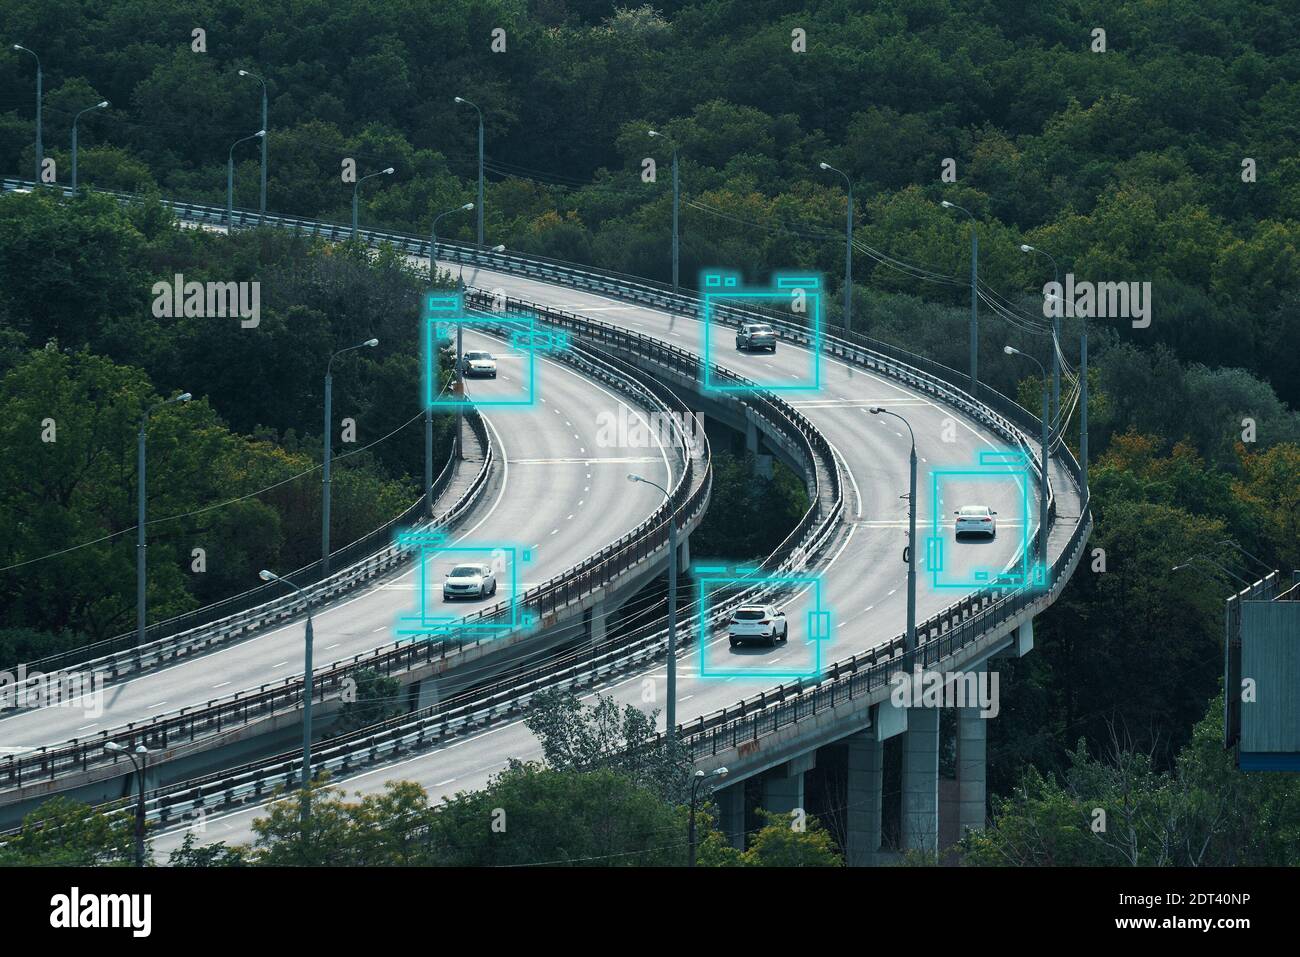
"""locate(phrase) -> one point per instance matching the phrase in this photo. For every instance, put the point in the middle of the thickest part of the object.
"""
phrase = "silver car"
(975, 520)
(469, 581)
(764, 623)
(756, 335)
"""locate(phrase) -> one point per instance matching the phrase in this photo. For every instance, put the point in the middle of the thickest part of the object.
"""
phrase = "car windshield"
(749, 614)
(478, 355)
(465, 571)
(975, 510)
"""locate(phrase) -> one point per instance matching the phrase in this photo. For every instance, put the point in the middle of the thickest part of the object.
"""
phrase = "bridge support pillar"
(783, 789)
(683, 553)
(754, 447)
(731, 813)
(972, 747)
(921, 781)
(595, 619)
(865, 778)
(427, 695)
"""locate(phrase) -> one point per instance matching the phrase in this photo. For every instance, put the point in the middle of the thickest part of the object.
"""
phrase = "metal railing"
(939, 637)
(259, 610)
(193, 626)
(509, 696)
(208, 721)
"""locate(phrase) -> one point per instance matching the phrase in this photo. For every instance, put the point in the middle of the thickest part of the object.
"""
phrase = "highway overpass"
(773, 739)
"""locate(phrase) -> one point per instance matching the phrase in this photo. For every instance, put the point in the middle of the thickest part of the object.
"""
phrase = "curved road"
(561, 492)
(862, 579)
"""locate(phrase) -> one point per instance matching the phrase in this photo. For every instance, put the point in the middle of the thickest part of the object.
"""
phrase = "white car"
(479, 364)
(975, 520)
(469, 581)
(758, 622)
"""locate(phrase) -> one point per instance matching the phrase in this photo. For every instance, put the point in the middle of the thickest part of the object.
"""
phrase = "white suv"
(469, 581)
(754, 622)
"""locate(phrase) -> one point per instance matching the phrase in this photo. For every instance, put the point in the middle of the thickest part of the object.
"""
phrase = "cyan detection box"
(815, 625)
(435, 619)
(950, 486)
(797, 296)
(442, 313)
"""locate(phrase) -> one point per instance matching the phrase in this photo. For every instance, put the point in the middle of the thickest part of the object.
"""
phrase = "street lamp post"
(40, 79)
(671, 718)
(677, 202)
(974, 298)
(911, 528)
(139, 766)
(305, 811)
(328, 442)
(460, 379)
(433, 235)
(479, 206)
(230, 177)
(427, 345)
(102, 104)
(848, 250)
(1083, 401)
(1042, 484)
(261, 206)
(141, 575)
(696, 780)
(357, 186)
(1056, 336)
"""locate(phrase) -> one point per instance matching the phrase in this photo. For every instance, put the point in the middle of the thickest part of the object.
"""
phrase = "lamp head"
(389, 171)
(102, 105)
(945, 204)
(468, 206)
(1025, 248)
(721, 772)
(113, 746)
(875, 409)
(499, 249)
(260, 133)
(371, 343)
(653, 133)
(824, 165)
(243, 73)
(458, 100)
(183, 397)
(631, 477)
(266, 576)
(1011, 350)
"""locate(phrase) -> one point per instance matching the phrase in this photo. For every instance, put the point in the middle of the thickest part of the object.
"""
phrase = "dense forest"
(1171, 157)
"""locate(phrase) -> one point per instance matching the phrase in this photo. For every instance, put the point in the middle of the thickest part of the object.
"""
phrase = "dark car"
(756, 335)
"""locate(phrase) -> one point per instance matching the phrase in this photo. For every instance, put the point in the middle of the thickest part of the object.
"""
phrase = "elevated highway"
(859, 570)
